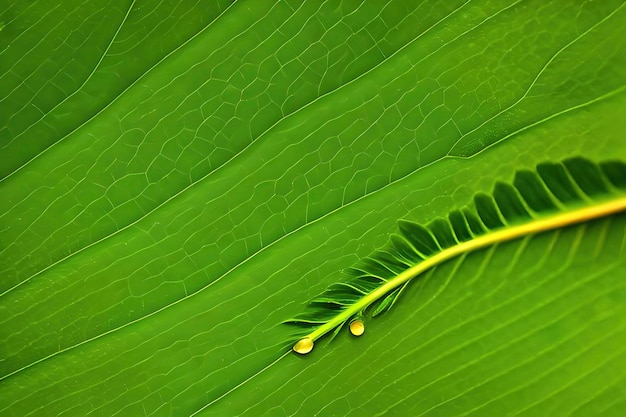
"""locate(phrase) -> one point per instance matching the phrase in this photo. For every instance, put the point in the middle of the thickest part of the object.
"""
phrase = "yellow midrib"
(549, 222)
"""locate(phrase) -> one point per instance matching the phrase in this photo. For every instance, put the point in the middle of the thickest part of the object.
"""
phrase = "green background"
(179, 178)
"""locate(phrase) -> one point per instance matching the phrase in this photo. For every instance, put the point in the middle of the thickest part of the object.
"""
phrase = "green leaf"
(180, 178)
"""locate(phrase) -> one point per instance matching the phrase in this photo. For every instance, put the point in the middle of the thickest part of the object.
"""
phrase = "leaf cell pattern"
(177, 175)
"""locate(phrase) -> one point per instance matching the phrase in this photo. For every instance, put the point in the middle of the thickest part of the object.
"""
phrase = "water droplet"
(357, 327)
(303, 346)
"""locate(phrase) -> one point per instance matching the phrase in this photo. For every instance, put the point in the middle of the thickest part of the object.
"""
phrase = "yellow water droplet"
(303, 346)
(357, 327)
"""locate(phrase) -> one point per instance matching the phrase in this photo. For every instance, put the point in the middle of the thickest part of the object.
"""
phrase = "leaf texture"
(178, 178)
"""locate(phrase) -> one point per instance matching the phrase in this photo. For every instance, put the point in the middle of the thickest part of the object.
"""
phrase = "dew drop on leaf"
(303, 346)
(357, 327)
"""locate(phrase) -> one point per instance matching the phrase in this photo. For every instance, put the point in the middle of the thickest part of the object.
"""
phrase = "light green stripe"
(552, 222)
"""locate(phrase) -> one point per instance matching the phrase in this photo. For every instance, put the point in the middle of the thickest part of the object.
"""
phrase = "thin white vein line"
(112, 101)
(58, 67)
(241, 383)
(605, 361)
(546, 372)
(5, 12)
(104, 54)
(27, 30)
(526, 362)
(545, 119)
(541, 71)
(603, 392)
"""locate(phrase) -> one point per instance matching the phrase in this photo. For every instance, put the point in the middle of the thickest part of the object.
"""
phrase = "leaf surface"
(179, 178)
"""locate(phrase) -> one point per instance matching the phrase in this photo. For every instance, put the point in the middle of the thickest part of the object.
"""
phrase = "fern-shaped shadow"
(555, 195)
